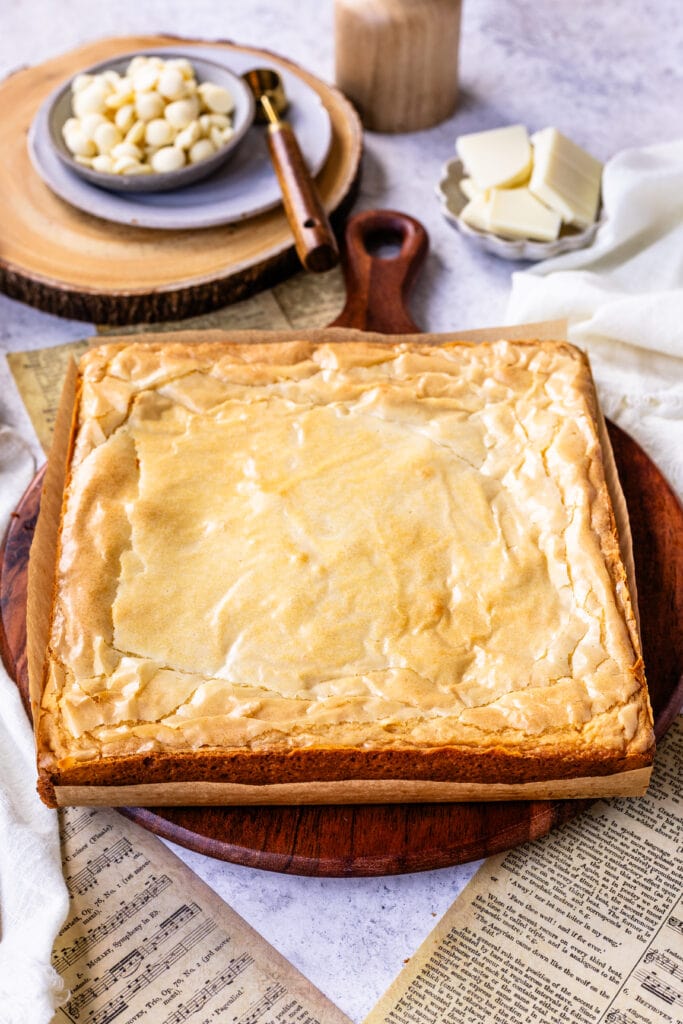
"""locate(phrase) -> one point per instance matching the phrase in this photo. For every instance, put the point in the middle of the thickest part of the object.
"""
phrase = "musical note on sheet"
(146, 940)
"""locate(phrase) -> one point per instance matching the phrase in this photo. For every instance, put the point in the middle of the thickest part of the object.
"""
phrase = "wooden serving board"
(67, 262)
(396, 838)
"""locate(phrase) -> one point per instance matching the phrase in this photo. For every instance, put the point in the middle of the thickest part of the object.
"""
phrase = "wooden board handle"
(377, 286)
(315, 243)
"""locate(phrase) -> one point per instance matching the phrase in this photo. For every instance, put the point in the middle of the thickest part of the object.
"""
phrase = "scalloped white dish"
(452, 202)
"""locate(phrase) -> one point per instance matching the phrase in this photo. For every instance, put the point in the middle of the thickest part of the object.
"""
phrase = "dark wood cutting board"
(390, 838)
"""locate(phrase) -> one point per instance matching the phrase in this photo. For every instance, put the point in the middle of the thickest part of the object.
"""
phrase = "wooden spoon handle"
(377, 287)
(315, 242)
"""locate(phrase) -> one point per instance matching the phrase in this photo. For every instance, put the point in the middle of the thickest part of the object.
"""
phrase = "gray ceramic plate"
(205, 71)
(452, 202)
(243, 187)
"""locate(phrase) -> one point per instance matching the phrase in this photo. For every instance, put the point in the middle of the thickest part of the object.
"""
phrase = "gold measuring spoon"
(315, 242)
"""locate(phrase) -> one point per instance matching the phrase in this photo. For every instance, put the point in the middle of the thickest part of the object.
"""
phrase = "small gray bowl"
(205, 71)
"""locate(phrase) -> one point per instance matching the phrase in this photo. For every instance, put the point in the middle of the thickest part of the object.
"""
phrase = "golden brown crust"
(300, 766)
(597, 721)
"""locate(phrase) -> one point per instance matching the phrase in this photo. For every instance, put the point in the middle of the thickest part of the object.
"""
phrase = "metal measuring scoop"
(315, 243)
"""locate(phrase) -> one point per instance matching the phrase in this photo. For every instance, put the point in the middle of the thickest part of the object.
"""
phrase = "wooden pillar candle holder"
(397, 60)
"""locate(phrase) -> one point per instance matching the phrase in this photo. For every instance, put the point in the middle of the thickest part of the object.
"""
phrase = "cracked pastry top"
(341, 560)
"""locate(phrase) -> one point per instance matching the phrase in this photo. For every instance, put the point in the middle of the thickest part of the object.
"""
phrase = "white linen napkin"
(33, 896)
(623, 297)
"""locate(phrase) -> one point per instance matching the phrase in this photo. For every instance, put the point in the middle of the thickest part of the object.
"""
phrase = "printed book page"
(146, 940)
(584, 925)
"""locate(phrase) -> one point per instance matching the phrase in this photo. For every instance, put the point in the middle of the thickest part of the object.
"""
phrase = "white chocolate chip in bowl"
(149, 122)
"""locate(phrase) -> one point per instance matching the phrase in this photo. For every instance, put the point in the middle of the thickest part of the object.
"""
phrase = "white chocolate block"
(469, 189)
(516, 213)
(476, 213)
(497, 158)
(565, 177)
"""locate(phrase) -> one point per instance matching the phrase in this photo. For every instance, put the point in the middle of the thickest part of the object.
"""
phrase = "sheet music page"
(146, 940)
(584, 926)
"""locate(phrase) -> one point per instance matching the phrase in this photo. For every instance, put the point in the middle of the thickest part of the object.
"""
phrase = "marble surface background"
(608, 74)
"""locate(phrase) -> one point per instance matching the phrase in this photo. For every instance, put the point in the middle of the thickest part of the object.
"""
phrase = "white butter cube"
(496, 159)
(515, 213)
(476, 213)
(565, 177)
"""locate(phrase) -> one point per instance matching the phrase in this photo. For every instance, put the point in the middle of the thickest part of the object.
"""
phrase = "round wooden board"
(391, 839)
(72, 264)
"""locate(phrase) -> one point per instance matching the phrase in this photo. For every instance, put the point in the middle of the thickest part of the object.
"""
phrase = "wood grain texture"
(378, 286)
(398, 60)
(71, 264)
(390, 838)
(314, 240)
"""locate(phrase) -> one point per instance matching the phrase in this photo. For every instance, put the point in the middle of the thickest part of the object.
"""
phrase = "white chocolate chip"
(155, 117)
(123, 163)
(78, 144)
(149, 105)
(103, 163)
(146, 78)
(219, 120)
(117, 99)
(125, 117)
(137, 168)
(91, 99)
(169, 158)
(90, 123)
(188, 136)
(215, 98)
(182, 112)
(172, 84)
(159, 132)
(182, 65)
(80, 81)
(106, 137)
(201, 150)
(136, 133)
(126, 149)
(216, 136)
(136, 64)
(69, 125)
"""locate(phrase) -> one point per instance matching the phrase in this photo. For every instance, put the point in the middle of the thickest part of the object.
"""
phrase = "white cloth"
(33, 896)
(623, 297)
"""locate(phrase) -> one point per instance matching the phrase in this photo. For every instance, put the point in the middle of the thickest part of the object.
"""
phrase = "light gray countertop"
(610, 76)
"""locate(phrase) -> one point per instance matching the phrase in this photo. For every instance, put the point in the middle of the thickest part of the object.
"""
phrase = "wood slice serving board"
(391, 838)
(67, 262)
